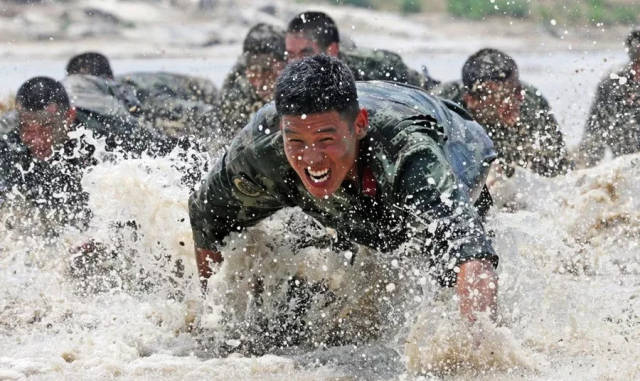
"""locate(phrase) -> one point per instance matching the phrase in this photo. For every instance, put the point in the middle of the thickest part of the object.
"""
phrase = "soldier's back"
(165, 84)
(379, 64)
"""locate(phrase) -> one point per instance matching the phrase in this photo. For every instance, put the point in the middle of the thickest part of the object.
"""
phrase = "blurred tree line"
(563, 11)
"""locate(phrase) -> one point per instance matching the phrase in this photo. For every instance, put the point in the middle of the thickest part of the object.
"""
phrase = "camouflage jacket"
(535, 142)
(53, 186)
(238, 101)
(378, 64)
(614, 120)
(411, 191)
(174, 104)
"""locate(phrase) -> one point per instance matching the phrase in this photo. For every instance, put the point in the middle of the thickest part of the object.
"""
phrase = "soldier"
(173, 104)
(250, 84)
(105, 107)
(614, 120)
(384, 164)
(38, 160)
(312, 33)
(515, 114)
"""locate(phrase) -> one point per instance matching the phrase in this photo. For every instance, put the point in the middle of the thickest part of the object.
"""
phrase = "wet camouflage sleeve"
(237, 102)
(231, 197)
(593, 142)
(548, 153)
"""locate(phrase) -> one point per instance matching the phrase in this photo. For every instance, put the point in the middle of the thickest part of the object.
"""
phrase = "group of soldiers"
(385, 155)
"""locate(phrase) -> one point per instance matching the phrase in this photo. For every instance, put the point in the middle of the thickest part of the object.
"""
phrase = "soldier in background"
(516, 116)
(39, 162)
(311, 33)
(173, 104)
(250, 84)
(614, 120)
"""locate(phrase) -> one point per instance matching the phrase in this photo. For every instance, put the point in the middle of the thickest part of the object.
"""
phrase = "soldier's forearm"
(477, 289)
(204, 259)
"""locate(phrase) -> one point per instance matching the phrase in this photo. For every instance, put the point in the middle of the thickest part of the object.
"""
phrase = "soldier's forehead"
(312, 121)
(37, 115)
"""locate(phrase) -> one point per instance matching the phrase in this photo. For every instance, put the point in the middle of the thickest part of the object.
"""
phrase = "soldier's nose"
(311, 156)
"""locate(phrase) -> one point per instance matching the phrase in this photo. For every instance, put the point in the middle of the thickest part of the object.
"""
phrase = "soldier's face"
(497, 102)
(262, 72)
(299, 46)
(41, 130)
(323, 148)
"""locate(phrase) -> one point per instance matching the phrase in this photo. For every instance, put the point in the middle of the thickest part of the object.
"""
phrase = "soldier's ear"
(333, 49)
(470, 101)
(361, 124)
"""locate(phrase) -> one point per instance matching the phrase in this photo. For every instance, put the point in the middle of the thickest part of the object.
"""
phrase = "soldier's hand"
(496, 175)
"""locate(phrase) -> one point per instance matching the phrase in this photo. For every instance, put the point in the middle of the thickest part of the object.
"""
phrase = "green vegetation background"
(563, 11)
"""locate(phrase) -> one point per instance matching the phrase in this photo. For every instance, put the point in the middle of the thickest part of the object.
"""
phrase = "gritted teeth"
(319, 175)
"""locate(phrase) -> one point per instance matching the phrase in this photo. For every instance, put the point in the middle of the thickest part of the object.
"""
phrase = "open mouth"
(318, 176)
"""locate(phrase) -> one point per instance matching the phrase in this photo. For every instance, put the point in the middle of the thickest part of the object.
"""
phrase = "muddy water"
(569, 276)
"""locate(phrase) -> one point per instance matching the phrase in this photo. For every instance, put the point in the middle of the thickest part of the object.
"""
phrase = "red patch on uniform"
(369, 183)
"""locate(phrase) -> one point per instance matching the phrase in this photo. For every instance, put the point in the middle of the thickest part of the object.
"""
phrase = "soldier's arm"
(448, 231)
(234, 109)
(220, 207)
(552, 158)
(593, 143)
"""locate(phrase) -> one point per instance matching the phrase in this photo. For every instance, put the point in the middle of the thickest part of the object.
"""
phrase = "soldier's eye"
(326, 140)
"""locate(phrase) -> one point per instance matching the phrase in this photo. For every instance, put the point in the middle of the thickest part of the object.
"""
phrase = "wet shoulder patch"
(246, 186)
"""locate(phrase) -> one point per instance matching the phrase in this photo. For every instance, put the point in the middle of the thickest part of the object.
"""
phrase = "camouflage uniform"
(238, 101)
(614, 120)
(420, 164)
(378, 64)
(536, 142)
(175, 104)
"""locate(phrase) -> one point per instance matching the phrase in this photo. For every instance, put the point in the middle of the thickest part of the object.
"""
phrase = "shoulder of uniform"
(533, 94)
(259, 133)
(8, 122)
(450, 90)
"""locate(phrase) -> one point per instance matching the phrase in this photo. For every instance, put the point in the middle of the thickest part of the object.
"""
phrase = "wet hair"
(317, 84)
(265, 39)
(90, 63)
(39, 92)
(317, 26)
(487, 65)
(632, 43)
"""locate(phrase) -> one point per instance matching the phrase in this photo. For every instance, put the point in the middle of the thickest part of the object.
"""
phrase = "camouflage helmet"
(487, 65)
(633, 44)
(265, 39)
